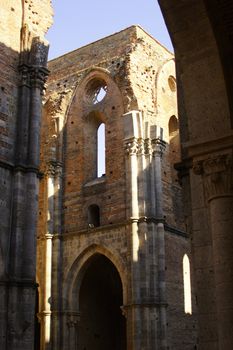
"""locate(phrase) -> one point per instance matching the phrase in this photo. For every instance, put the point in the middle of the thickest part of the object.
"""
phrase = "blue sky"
(79, 22)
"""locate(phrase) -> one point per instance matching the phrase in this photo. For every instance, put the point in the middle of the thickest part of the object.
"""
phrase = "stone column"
(56, 258)
(217, 175)
(50, 298)
(131, 147)
(45, 314)
(158, 147)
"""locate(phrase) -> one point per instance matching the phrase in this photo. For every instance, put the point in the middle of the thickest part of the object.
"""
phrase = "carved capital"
(131, 147)
(147, 147)
(141, 147)
(38, 77)
(158, 147)
(217, 175)
(53, 169)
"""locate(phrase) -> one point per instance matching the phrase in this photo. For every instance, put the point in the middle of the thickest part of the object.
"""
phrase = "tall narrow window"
(101, 150)
(187, 285)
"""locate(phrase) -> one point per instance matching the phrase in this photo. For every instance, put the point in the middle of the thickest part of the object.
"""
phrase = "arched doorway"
(102, 325)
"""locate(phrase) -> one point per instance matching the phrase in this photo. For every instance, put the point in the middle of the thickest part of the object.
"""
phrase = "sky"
(80, 22)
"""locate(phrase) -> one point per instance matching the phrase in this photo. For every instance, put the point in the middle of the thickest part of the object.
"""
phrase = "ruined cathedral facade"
(93, 260)
(112, 246)
(103, 244)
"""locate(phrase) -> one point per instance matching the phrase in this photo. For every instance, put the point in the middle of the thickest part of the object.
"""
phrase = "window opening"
(100, 94)
(172, 83)
(96, 91)
(101, 150)
(172, 125)
(187, 285)
(93, 216)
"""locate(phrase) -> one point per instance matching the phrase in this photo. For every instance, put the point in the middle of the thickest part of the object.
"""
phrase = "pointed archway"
(102, 325)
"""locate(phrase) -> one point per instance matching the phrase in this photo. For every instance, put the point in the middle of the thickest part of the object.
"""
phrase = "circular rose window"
(96, 91)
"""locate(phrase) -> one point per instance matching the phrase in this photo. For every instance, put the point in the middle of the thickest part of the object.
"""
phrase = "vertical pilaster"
(158, 147)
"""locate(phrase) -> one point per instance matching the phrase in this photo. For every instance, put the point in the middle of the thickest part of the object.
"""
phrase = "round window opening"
(172, 83)
(96, 91)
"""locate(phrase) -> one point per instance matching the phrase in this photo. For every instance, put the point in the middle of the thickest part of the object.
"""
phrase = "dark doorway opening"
(102, 325)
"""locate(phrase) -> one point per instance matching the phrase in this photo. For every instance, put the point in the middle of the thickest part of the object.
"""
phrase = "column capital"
(38, 76)
(53, 169)
(131, 146)
(33, 76)
(158, 147)
(217, 174)
(147, 146)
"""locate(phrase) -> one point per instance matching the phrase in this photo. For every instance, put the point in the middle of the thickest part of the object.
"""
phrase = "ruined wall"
(71, 116)
(23, 53)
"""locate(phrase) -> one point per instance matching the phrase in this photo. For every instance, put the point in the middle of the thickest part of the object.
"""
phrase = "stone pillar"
(158, 147)
(45, 314)
(146, 311)
(50, 308)
(217, 175)
(133, 310)
(56, 258)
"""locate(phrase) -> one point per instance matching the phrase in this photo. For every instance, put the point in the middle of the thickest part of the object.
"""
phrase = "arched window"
(174, 146)
(101, 150)
(187, 285)
(93, 216)
(172, 125)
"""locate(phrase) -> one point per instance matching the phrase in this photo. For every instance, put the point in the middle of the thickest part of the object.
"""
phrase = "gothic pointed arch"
(76, 272)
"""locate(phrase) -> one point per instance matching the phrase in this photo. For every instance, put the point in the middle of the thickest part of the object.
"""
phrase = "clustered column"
(146, 310)
(22, 257)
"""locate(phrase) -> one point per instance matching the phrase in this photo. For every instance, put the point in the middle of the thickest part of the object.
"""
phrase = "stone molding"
(217, 174)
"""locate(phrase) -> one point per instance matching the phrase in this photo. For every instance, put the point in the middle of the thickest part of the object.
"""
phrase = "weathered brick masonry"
(132, 215)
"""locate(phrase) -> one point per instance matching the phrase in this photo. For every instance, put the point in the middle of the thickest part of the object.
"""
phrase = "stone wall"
(139, 197)
(23, 59)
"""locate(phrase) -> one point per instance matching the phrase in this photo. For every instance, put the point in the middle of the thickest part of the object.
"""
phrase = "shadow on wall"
(21, 86)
